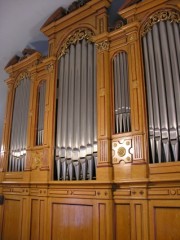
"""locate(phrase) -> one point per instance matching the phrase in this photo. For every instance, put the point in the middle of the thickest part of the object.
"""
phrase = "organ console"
(91, 140)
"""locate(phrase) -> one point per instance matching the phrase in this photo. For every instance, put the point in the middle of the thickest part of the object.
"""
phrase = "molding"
(103, 46)
(20, 77)
(74, 38)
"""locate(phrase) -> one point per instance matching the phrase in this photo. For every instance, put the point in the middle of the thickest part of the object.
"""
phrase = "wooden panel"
(42, 215)
(102, 122)
(164, 220)
(38, 219)
(138, 222)
(167, 222)
(70, 221)
(122, 222)
(12, 220)
(34, 220)
(101, 71)
(102, 221)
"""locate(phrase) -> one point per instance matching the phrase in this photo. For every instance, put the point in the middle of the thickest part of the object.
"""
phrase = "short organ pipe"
(121, 94)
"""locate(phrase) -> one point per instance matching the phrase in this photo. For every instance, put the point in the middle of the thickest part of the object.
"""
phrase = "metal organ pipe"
(76, 140)
(121, 94)
(162, 74)
(17, 156)
(41, 110)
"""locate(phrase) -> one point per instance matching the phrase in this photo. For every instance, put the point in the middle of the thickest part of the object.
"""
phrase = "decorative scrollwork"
(22, 76)
(36, 159)
(103, 46)
(164, 15)
(74, 38)
(50, 67)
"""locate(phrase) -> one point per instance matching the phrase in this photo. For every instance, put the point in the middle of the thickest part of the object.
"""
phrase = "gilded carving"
(22, 76)
(36, 160)
(103, 46)
(164, 15)
(115, 144)
(74, 38)
(121, 151)
(50, 67)
(132, 37)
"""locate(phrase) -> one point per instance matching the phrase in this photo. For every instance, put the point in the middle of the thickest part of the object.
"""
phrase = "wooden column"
(139, 161)
(7, 125)
(49, 116)
(41, 157)
(104, 168)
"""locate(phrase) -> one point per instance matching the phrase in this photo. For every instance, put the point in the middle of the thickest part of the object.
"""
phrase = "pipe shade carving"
(17, 158)
(76, 140)
(162, 73)
(163, 15)
(121, 94)
(74, 38)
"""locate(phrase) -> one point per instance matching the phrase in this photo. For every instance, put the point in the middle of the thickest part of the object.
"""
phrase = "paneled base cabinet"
(94, 211)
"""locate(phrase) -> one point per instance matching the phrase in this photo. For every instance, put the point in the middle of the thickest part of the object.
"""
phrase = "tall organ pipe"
(76, 137)
(19, 126)
(162, 74)
(121, 94)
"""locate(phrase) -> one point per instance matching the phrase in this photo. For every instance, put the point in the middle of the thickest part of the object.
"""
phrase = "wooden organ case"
(90, 145)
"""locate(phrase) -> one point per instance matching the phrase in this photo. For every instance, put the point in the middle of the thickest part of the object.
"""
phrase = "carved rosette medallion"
(164, 15)
(74, 38)
(121, 151)
(103, 46)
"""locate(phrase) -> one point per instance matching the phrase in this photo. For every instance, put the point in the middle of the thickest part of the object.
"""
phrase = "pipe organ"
(91, 132)
(17, 156)
(40, 115)
(121, 94)
(161, 58)
(76, 136)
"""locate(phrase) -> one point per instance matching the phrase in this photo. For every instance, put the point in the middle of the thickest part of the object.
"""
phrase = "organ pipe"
(17, 158)
(41, 110)
(162, 74)
(121, 94)
(76, 139)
